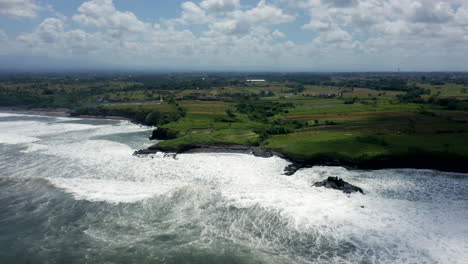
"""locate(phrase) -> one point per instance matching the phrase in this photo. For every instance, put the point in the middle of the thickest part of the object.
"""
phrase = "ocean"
(72, 192)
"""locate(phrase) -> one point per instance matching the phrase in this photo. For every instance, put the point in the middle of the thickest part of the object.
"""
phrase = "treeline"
(182, 82)
(260, 110)
(391, 84)
(263, 111)
(144, 116)
(449, 103)
(413, 95)
(280, 127)
(300, 78)
(29, 99)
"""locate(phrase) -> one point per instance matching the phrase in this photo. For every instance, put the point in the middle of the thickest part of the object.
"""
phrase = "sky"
(235, 35)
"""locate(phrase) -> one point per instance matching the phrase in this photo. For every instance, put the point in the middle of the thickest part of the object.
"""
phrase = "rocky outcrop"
(292, 168)
(256, 151)
(338, 184)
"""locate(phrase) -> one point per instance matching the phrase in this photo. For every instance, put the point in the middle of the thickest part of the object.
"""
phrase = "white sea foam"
(108, 190)
(6, 138)
(37, 128)
(32, 147)
(406, 216)
(2, 114)
(243, 181)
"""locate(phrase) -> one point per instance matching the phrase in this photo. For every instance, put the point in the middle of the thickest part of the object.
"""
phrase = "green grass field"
(358, 131)
(359, 146)
(351, 123)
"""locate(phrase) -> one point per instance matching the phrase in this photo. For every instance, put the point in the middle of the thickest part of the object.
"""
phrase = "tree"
(230, 113)
(153, 118)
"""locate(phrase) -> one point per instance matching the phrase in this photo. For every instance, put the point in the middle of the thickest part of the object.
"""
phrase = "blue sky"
(239, 35)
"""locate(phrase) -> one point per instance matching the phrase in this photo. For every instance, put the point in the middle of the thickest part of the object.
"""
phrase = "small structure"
(252, 82)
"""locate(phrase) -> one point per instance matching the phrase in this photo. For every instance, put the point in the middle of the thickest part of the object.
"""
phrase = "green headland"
(368, 121)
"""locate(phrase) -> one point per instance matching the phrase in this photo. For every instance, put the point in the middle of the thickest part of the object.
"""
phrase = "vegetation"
(349, 117)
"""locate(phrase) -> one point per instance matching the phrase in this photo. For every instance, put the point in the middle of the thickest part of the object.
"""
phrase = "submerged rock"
(338, 184)
(292, 168)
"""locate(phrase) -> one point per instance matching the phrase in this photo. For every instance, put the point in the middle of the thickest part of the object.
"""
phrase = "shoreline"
(104, 117)
(424, 160)
(431, 161)
(59, 112)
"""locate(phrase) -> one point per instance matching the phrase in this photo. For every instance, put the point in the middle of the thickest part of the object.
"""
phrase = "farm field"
(386, 117)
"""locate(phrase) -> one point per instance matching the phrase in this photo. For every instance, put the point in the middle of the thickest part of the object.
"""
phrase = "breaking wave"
(75, 193)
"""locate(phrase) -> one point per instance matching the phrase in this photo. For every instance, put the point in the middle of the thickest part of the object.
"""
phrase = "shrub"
(162, 133)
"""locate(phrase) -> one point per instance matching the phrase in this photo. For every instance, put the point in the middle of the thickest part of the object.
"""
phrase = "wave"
(14, 139)
(87, 196)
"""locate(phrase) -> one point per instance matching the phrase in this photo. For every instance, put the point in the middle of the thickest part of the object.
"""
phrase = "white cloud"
(103, 14)
(243, 22)
(388, 19)
(336, 35)
(193, 14)
(426, 12)
(267, 14)
(49, 31)
(278, 34)
(340, 3)
(235, 36)
(461, 17)
(52, 38)
(19, 8)
(220, 5)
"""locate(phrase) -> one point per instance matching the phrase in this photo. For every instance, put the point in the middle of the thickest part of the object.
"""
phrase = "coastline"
(424, 160)
(432, 161)
(59, 112)
(104, 117)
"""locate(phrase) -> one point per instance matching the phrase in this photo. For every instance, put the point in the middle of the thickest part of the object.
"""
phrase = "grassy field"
(303, 122)
(360, 131)
(361, 146)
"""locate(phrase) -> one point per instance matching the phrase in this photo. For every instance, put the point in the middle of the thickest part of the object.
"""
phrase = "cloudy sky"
(240, 35)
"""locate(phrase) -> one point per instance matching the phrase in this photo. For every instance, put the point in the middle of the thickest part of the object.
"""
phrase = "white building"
(256, 80)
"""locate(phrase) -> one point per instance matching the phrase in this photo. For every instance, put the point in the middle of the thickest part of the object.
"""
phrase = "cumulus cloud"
(427, 12)
(103, 14)
(51, 38)
(341, 3)
(242, 22)
(461, 17)
(278, 34)
(333, 36)
(220, 5)
(265, 13)
(19, 8)
(232, 34)
(193, 14)
(50, 31)
(393, 20)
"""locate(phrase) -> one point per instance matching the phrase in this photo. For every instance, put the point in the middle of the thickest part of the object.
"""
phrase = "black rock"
(338, 184)
(292, 168)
